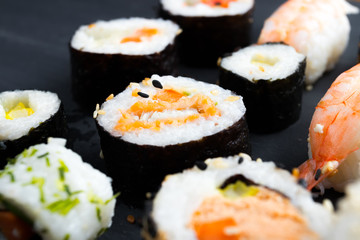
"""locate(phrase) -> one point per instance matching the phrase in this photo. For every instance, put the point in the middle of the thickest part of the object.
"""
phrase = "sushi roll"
(319, 29)
(107, 55)
(210, 28)
(28, 117)
(270, 77)
(347, 218)
(166, 124)
(48, 192)
(235, 198)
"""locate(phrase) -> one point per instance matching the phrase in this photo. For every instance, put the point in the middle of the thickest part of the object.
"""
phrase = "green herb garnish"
(63, 206)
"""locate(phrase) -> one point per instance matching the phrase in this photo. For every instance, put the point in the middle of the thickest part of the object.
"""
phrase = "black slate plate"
(34, 37)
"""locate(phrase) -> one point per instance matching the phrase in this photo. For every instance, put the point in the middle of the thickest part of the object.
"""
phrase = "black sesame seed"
(302, 182)
(317, 174)
(144, 95)
(157, 84)
(201, 165)
(240, 160)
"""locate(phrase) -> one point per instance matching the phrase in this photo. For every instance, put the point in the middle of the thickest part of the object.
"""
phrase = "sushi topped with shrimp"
(334, 135)
(318, 29)
(235, 198)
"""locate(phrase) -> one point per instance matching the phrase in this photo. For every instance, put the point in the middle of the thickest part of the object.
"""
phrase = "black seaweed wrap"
(95, 76)
(205, 39)
(270, 105)
(55, 126)
(137, 169)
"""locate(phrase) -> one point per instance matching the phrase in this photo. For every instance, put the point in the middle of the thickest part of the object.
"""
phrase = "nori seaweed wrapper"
(95, 75)
(204, 39)
(55, 126)
(137, 169)
(270, 105)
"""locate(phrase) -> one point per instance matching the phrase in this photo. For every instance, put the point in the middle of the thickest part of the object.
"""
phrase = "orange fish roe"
(218, 3)
(266, 215)
(140, 34)
(167, 99)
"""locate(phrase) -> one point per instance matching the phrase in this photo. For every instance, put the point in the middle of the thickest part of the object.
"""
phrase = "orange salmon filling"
(140, 34)
(266, 215)
(167, 99)
(218, 3)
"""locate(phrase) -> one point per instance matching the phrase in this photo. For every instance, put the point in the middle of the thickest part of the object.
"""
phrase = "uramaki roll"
(107, 55)
(270, 77)
(210, 28)
(164, 125)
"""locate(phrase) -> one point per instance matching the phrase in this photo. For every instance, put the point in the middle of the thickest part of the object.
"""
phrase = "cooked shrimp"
(318, 29)
(335, 128)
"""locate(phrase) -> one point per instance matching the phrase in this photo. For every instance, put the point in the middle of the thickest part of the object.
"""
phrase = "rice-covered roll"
(235, 198)
(28, 117)
(210, 28)
(107, 55)
(319, 29)
(48, 192)
(270, 77)
(347, 218)
(166, 124)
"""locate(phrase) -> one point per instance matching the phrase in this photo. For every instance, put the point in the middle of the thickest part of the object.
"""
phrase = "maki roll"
(235, 198)
(319, 29)
(210, 28)
(270, 77)
(166, 124)
(48, 192)
(107, 55)
(26, 118)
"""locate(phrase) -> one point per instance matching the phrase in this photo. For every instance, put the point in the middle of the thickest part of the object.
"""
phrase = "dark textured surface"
(34, 54)
(270, 105)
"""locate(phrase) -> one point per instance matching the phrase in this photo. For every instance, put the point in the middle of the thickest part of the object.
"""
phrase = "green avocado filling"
(238, 189)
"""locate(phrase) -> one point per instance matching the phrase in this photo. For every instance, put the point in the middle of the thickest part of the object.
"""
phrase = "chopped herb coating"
(144, 95)
(47, 161)
(33, 151)
(157, 84)
(67, 237)
(64, 206)
(43, 155)
(12, 177)
(201, 165)
(302, 182)
(240, 160)
(112, 198)
(98, 213)
(317, 174)
(39, 182)
(67, 189)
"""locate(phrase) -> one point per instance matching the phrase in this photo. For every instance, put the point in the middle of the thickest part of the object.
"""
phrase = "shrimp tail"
(310, 174)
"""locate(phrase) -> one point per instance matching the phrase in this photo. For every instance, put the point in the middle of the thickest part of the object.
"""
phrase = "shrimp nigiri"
(335, 128)
(318, 29)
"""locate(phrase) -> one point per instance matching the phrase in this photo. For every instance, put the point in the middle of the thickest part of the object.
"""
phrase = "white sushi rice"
(347, 219)
(106, 36)
(181, 194)
(231, 112)
(319, 29)
(30, 195)
(267, 62)
(44, 104)
(195, 8)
